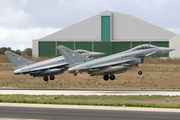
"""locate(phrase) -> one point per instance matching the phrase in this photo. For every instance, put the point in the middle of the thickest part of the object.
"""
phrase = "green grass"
(103, 100)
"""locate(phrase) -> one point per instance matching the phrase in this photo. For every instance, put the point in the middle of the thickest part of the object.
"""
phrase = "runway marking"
(79, 92)
(19, 119)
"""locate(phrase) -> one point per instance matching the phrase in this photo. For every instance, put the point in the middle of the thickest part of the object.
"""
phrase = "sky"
(22, 21)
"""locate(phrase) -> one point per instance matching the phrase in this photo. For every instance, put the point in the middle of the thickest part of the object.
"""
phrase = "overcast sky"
(22, 21)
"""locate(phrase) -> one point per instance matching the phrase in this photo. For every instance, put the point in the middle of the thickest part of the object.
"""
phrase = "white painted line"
(68, 92)
(17, 119)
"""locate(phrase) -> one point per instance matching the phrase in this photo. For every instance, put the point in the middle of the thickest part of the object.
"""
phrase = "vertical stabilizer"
(15, 59)
(70, 56)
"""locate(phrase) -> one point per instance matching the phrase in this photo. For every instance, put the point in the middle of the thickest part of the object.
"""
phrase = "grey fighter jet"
(44, 68)
(110, 65)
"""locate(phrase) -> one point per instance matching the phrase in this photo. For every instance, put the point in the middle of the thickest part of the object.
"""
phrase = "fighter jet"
(113, 64)
(44, 68)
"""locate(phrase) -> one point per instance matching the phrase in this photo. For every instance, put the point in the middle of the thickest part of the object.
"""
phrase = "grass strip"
(155, 101)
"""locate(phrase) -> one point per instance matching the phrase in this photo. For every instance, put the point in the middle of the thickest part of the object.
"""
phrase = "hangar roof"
(124, 27)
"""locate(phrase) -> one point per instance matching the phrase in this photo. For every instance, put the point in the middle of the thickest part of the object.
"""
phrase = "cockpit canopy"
(144, 46)
(80, 51)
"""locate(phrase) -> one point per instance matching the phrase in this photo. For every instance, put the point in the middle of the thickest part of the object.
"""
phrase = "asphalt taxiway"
(73, 112)
(19, 111)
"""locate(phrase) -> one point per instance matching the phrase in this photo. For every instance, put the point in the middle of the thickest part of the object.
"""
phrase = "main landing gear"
(52, 77)
(106, 77)
(45, 78)
(75, 74)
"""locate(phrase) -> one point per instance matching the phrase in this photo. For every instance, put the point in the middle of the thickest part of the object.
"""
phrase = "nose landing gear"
(139, 72)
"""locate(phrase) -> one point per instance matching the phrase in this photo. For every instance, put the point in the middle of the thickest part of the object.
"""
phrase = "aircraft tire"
(75, 74)
(52, 77)
(140, 72)
(112, 77)
(45, 78)
(106, 77)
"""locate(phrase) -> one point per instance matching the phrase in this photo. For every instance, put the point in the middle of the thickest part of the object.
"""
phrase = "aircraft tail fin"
(16, 60)
(70, 56)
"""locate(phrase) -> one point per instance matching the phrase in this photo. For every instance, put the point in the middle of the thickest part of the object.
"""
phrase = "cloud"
(61, 2)
(63, 13)
(24, 20)
(22, 38)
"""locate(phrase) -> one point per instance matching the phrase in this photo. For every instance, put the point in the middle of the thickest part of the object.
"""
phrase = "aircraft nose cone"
(165, 50)
(96, 54)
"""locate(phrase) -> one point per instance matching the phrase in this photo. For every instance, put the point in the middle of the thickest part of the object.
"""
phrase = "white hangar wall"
(175, 44)
(106, 30)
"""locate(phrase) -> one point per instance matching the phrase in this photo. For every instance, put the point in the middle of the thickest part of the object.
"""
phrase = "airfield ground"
(155, 76)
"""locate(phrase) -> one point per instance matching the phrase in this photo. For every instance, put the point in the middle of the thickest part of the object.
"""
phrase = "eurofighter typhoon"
(44, 68)
(113, 64)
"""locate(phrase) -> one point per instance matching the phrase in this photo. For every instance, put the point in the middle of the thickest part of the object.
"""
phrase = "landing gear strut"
(140, 72)
(45, 78)
(52, 77)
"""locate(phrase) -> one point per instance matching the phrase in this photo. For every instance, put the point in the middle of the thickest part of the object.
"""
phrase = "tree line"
(27, 51)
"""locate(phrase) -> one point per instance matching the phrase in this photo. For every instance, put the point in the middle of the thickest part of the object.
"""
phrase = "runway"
(19, 111)
(87, 92)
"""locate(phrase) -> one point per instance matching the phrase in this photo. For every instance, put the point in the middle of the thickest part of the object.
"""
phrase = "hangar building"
(108, 32)
(175, 43)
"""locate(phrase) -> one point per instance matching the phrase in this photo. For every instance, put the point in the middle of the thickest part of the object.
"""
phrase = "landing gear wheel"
(45, 78)
(75, 74)
(112, 77)
(140, 72)
(106, 77)
(52, 77)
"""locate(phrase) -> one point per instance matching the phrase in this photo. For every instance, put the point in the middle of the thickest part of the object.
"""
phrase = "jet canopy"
(81, 51)
(144, 46)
